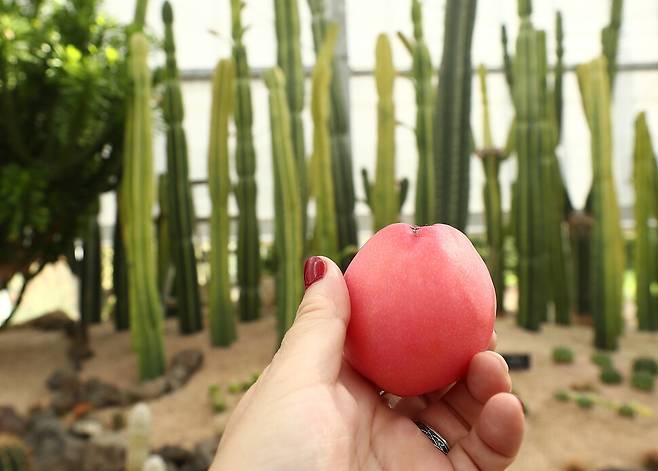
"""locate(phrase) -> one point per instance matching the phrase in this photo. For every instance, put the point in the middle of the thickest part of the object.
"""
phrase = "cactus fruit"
(136, 195)
(289, 236)
(245, 164)
(138, 437)
(646, 213)
(325, 238)
(221, 313)
(154, 463)
(14, 454)
(452, 149)
(607, 250)
(289, 59)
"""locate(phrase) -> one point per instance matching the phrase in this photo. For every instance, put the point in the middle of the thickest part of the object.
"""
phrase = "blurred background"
(166, 167)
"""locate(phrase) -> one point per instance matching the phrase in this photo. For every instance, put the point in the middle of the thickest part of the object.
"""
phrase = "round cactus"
(601, 359)
(14, 454)
(626, 410)
(562, 355)
(584, 402)
(647, 364)
(610, 375)
(643, 380)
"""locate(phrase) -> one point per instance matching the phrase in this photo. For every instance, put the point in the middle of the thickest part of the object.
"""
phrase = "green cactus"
(491, 159)
(452, 147)
(607, 251)
(136, 197)
(558, 73)
(14, 454)
(245, 163)
(289, 238)
(422, 77)
(610, 40)
(289, 59)
(507, 60)
(164, 241)
(341, 150)
(325, 238)
(139, 19)
(119, 278)
(181, 208)
(646, 211)
(529, 70)
(138, 437)
(220, 310)
(91, 291)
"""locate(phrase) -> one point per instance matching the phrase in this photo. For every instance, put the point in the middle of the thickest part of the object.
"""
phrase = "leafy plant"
(563, 355)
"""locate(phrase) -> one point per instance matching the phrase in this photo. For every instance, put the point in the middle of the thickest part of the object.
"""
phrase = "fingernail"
(314, 270)
(502, 361)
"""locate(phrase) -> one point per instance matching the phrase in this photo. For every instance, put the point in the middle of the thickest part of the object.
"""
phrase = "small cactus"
(601, 359)
(643, 381)
(647, 364)
(217, 400)
(585, 402)
(154, 463)
(610, 375)
(626, 410)
(561, 395)
(14, 454)
(562, 356)
(138, 437)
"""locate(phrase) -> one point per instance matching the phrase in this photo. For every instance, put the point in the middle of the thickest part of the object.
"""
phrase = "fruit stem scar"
(415, 229)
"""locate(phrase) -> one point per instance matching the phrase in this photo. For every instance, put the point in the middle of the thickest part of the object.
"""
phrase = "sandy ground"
(557, 432)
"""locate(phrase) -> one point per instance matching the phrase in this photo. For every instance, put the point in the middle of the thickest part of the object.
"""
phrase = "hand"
(310, 410)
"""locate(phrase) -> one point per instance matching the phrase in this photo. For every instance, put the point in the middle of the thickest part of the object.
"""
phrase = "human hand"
(309, 410)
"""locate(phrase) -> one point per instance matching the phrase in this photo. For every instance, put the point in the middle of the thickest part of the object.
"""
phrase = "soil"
(556, 432)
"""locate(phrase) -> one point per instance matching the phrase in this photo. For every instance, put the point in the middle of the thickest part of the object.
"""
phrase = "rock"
(205, 451)
(87, 428)
(101, 394)
(175, 455)
(103, 457)
(149, 390)
(63, 401)
(63, 378)
(54, 449)
(11, 422)
(183, 365)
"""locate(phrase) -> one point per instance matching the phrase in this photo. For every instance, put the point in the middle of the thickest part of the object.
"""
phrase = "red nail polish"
(314, 269)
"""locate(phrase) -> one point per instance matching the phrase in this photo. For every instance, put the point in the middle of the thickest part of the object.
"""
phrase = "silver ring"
(434, 436)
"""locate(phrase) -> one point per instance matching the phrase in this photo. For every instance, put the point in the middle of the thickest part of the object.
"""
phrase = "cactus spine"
(422, 76)
(289, 237)
(528, 65)
(606, 256)
(610, 40)
(325, 238)
(120, 278)
(289, 59)
(341, 150)
(221, 315)
(181, 208)
(646, 247)
(14, 454)
(491, 159)
(136, 200)
(452, 149)
(245, 164)
(138, 433)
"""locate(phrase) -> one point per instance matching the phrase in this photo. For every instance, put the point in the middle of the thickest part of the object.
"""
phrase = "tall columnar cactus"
(610, 39)
(325, 238)
(120, 277)
(452, 149)
(221, 312)
(341, 148)
(289, 59)
(530, 240)
(138, 435)
(245, 163)
(289, 238)
(491, 159)
(646, 212)
(164, 234)
(422, 77)
(557, 76)
(607, 252)
(14, 454)
(140, 15)
(181, 208)
(507, 60)
(91, 290)
(136, 198)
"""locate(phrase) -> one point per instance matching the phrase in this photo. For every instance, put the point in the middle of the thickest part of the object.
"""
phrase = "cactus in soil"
(340, 146)
(452, 147)
(491, 159)
(14, 454)
(138, 437)
(325, 238)
(646, 249)
(154, 463)
(245, 163)
(289, 237)
(610, 40)
(607, 250)
(91, 290)
(221, 312)
(163, 230)
(119, 278)
(532, 263)
(289, 59)
(136, 198)
(422, 77)
(181, 208)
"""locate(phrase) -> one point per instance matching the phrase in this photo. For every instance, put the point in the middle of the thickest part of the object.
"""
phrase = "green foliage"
(63, 87)
(626, 410)
(584, 401)
(14, 454)
(220, 307)
(217, 400)
(643, 380)
(610, 375)
(182, 221)
(245, 165)
(601, 359)
(648, 364)
(563, 355)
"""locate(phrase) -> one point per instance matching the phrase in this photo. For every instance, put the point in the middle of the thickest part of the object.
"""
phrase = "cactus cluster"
(249, 267)
(289, 236)
(220, 309)
(136, 198)
(14, 454)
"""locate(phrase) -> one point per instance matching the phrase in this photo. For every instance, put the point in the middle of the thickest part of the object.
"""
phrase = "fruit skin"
(422, 305)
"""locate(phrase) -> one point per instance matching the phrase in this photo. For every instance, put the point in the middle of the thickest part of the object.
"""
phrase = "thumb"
(312, 349)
